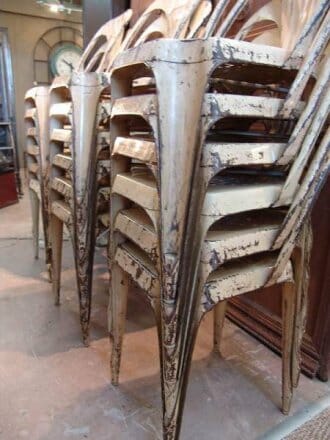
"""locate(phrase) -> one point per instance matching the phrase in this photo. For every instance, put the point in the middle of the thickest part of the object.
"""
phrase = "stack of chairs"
(79, 132)
(37, 158)
(213, 177)
(79, 159)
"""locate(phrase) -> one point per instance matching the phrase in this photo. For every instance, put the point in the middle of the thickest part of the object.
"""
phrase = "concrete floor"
(53, 388)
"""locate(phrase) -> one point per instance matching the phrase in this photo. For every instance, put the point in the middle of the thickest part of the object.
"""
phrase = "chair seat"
(62, 211)
(235, 279)
(135, 224)
(33, 167)
(223, 242)
(31, 131)
(33, 150)
(140, 189)
(34, 184)
(104, 219)
(139, 267)
(245, 52)
(135, 148)
(61, 110)
(61, 135)
(216, 155)
(64, 161)
(31, 113)
(220, 200)
(62, 186)
(214, 106)
(241, 277)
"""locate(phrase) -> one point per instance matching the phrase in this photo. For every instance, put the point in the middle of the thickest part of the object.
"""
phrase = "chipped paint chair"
(37, 156)
(78, 172)
(210, 189)
(79, 108)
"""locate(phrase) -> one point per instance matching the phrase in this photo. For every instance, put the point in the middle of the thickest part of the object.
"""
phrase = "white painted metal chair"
(211, 181)
(79, 107)
(165, 21)
(37, 155)
(79, 158)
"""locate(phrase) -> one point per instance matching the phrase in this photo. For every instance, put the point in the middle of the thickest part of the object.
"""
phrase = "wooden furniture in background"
(8, 191)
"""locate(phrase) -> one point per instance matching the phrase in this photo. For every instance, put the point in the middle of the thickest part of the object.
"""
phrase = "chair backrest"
(264, 26)
(295, 14)
(311, 185)
(165, 18)
(297, 22)
(171, 18)
(38, 98)
(162, 19)
(105, 44)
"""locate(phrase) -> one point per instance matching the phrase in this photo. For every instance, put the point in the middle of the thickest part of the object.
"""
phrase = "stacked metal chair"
(79, 160)
(212, 178)
(79, 109)
(37, 157)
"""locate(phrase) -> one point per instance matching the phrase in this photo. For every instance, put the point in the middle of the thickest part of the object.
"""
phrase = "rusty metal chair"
(211, 182)
(78, 114)
(37, 156)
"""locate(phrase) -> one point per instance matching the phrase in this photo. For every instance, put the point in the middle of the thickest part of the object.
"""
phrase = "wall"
(26, 21)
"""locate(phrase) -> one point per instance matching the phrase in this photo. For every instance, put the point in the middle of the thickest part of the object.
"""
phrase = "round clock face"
(65, 59)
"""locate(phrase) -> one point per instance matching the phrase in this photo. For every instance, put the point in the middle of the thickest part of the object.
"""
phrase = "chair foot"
(49, 272)
(288, 352)
(85, 331)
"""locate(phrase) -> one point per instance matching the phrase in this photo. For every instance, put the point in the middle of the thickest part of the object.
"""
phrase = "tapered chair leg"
(56, 230)
(117, 317)
(175, 375)
(35, 208)
(83, 228)
(181, 197)
(288, 308)
(219, 313)
(48, 247)
(301, 269)
(85, 92)
(84, 281)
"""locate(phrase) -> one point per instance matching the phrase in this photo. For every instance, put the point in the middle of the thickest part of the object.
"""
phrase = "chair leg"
(83, 241)
(117, 317)
(219, 313)
(288, 309)
(48, 247)
(301, 269)
(85, 94)
(56, 230)
(176, 365)
(35, 208)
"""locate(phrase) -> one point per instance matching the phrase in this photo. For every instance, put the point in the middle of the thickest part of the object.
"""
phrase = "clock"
(65, 59)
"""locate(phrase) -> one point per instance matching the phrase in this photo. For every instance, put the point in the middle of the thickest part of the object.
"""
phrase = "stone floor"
(53, 388)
